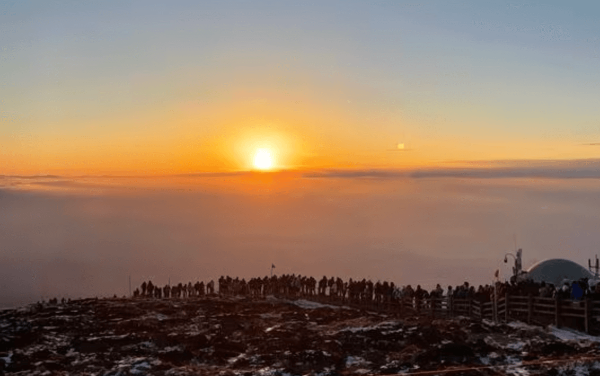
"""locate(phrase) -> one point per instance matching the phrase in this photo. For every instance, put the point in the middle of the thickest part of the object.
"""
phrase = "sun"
(263, 159)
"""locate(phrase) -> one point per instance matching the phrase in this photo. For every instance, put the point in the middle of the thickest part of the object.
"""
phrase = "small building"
(555, 271)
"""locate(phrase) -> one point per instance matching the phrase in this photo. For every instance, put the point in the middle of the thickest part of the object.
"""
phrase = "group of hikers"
(148, 289)
(365, 292)
(581, 289)
(293, 286)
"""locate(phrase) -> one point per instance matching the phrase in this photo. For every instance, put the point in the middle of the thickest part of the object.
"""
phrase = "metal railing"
(583, 314)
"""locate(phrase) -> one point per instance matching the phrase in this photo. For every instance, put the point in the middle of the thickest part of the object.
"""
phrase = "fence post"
(481, 309)
(495, 308)
(529, 308)
(470, 308)
(557, 311)
(506, 307)
(495, 304)
(587, 306)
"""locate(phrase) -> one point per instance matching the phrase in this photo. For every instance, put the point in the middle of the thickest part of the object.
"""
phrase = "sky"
(414, 141)
(150, 87)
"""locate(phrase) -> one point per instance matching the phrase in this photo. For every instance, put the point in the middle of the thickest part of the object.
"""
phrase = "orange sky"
(118, 89)
(174, 139)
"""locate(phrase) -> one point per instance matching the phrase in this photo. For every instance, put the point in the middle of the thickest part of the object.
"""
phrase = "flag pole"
(495, 306)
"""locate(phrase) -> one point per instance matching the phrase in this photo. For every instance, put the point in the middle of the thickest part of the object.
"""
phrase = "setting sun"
(263, 160)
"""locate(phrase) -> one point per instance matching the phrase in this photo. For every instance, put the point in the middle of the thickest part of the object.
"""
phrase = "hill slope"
(272, 337)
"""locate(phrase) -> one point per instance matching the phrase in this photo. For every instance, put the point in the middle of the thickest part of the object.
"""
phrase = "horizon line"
(520, 168)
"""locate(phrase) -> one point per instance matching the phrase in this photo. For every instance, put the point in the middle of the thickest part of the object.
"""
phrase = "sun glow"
(263, 160)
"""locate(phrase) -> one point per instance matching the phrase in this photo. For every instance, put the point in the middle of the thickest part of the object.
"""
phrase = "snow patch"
(517, 371)
(140, 368)
(353, 361)
(513, 360)
(517, 346)
(488, 322)
(566, 334)
(581, 370)
(522, 325)
(7, 359)
(153, 315)
(381, 326)
(235, 359)
(306, 304)
(117, 337)
(270, 315)
(172, 349)
(268, 371)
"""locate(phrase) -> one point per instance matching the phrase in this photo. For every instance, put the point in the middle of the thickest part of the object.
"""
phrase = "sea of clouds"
(86, 236)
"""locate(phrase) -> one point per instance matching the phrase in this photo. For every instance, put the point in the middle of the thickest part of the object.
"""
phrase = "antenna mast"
(594, 269)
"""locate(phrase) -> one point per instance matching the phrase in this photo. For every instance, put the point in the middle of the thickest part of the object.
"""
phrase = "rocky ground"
(230, 336)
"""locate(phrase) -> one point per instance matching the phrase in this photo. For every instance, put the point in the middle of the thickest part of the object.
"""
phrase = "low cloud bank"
(577, 169)
(86, 236)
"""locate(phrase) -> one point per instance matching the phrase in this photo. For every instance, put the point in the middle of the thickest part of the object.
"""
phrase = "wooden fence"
(581, 315)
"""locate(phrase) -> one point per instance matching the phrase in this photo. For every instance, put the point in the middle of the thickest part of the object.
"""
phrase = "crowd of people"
(366, 292)
(568, 290)
(181, 290)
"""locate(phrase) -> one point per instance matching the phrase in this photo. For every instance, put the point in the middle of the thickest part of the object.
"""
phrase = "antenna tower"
(594, 269)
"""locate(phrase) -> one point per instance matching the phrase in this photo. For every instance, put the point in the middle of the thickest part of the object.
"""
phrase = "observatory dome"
(556, 270)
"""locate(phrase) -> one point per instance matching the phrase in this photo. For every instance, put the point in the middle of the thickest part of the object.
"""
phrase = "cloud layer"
(82, 237)
(577, 169)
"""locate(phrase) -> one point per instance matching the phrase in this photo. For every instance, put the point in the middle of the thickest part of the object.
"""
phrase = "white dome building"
(555, 271)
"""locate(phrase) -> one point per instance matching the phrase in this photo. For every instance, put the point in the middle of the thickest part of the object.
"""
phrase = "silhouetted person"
(150, 289)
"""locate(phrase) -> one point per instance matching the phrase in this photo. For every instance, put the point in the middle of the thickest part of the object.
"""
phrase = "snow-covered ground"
(566, 334)
(274, 337)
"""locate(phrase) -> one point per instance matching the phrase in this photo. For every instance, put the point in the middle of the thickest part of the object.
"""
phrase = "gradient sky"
(161, 87)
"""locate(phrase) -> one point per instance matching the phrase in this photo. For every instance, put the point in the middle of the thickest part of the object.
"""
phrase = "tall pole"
(496, 300)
